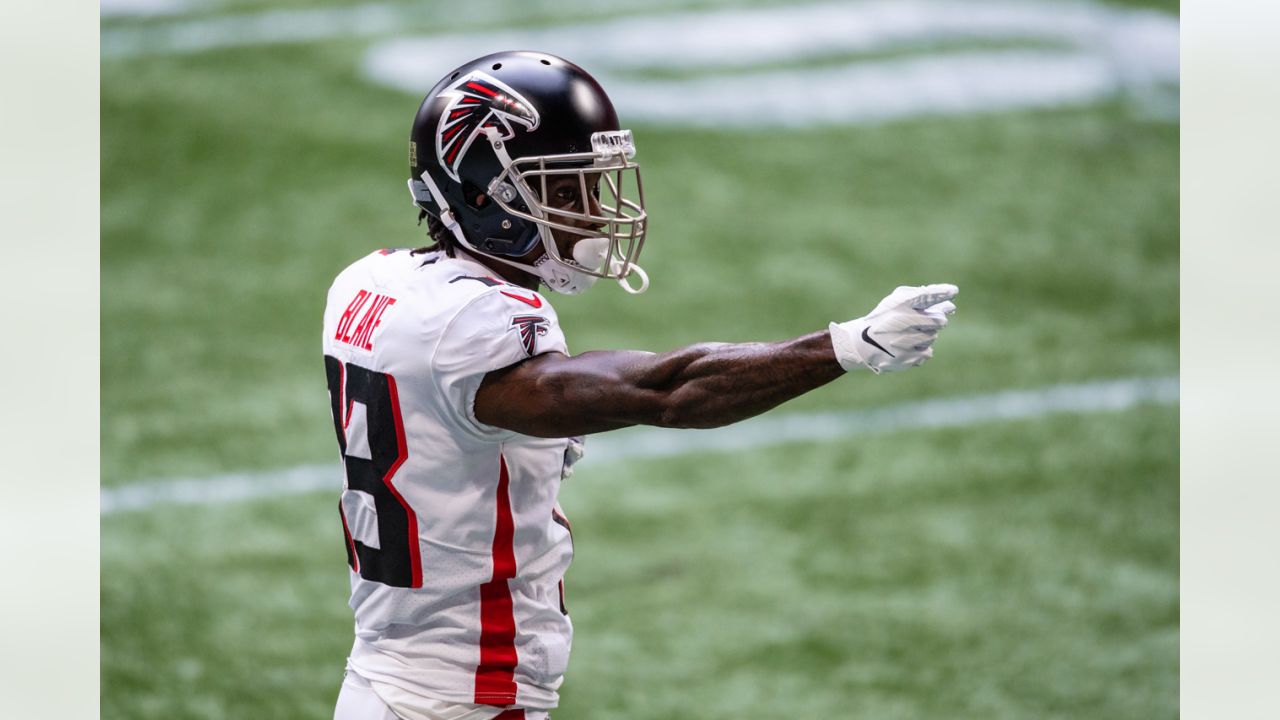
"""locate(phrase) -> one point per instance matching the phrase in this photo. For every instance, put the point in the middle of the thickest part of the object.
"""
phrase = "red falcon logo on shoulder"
(478, 101)
(530, 328)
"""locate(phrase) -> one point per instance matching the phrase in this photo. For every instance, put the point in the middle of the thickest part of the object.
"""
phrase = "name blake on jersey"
(361, 318)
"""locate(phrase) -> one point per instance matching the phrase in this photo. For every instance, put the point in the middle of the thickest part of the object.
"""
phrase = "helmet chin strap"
(636, 289)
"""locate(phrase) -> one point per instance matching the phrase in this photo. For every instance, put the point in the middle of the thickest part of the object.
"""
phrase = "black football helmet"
(490, 136)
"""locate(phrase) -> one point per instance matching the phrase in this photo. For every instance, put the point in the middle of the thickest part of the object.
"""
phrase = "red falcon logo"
(478, 101)
(530, 328)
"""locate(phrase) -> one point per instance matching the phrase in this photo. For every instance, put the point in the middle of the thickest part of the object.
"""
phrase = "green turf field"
(1003, 570)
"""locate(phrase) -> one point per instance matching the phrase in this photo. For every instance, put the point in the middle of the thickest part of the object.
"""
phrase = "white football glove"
(899, 333)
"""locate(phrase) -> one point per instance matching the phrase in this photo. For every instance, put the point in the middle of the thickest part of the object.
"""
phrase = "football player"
(459, 409)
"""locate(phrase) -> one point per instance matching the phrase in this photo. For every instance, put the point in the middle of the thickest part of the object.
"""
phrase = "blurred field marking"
(1107, 50)
(652, 443)
(279, 27)
(142, 8)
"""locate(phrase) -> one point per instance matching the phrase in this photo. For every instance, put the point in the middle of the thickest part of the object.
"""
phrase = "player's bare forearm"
(717, 384)
(699, 386)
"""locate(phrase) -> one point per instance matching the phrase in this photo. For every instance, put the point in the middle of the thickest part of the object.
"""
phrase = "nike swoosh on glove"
(899, 333)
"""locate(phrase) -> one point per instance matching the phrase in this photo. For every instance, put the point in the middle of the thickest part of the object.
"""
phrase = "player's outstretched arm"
(709, 384)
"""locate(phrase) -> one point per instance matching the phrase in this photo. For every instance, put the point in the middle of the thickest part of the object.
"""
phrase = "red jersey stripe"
(495, 675)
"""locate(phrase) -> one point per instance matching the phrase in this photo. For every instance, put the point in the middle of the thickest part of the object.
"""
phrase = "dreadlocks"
(441, 238)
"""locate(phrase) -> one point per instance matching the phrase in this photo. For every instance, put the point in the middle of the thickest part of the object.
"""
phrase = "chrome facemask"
(611, 250)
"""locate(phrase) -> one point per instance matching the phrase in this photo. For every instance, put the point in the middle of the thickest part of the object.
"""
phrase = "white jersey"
(456, 544)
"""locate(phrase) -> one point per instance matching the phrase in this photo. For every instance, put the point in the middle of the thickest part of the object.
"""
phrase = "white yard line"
(184, 35)
(143, 8)
(1095, 52)
(650, 443)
